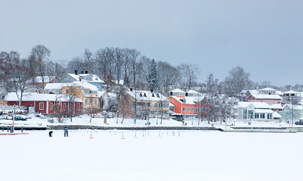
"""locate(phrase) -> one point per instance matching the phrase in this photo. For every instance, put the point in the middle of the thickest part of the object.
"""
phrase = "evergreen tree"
(153, 75)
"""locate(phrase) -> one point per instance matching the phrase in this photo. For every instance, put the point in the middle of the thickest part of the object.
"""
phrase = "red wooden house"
(189, 106)
(45, 103)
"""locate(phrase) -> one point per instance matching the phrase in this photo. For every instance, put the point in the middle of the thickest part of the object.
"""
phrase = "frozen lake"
(151, 155)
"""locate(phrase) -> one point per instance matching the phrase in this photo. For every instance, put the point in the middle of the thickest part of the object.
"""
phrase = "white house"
(254, 111)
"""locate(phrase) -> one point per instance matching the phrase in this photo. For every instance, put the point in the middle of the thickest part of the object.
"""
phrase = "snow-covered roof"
(268, 89)
(193, 100)
(276, 106)
(178, 90)
(177, 99)
(291, 92)
(55, 86)
(266, 96)
(280, 93)
(30, 96)
(192, 92)
(263, 111)
(100, 93)
(253, 91)
(190, 100)
(84, 84)
(276, 115)
(171, 105)
(95, 78)
(257, 105)
(146, 95)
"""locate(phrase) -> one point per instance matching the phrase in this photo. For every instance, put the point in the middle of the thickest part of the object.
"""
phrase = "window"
(85, 101)
(262, 115)
(188, 109)
(250, 114)
(95, 102)
(41, 106)
(64, 107)
(257, 115)
(148, 104)
(269, 116)
(51, 106)
(156, 105)
(67, 91)
(192, 110)
(184, 109)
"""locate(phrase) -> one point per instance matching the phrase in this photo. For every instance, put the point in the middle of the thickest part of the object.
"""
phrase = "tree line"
(123, 66)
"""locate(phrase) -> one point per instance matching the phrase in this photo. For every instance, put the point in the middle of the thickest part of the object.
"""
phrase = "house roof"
(265, 96)
(276, 115)
(95, 78)
(84, 84)
(178, 90)
(146, 95)
(268, 89)
(263, 111)
(253, 91)
(192, 92)
(257, 105)
(55, 86)
(276, 106)
(101, 93)
(30, 96)
(291, 92)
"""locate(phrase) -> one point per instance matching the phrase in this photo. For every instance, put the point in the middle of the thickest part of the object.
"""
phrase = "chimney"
(76, 72)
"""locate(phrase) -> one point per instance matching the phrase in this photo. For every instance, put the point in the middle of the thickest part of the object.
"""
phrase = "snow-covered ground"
(153, 155)
(113, 122)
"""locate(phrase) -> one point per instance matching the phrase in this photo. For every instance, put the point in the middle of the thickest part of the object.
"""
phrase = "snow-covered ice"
(153, 155)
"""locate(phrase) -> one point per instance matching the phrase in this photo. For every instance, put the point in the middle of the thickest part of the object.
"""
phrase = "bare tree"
(124, 108)
(19, 76)
(88, 61)
(167, 77)
(189, 74)
(40, 53)
(236, 81)
(212, 95)
(75, 64)
(72, 91)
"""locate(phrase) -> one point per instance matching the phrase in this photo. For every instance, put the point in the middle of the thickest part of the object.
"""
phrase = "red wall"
(36, 104)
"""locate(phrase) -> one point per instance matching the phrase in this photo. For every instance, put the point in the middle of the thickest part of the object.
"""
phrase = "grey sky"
(264, 37)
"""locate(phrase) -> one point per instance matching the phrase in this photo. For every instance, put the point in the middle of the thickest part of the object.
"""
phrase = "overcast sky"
(264, 37)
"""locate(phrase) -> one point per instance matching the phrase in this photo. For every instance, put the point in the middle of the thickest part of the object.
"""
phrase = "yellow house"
(148, 103)
(87, 92)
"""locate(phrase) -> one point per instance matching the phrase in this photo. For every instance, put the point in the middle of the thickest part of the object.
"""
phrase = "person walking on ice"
(65, 131)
